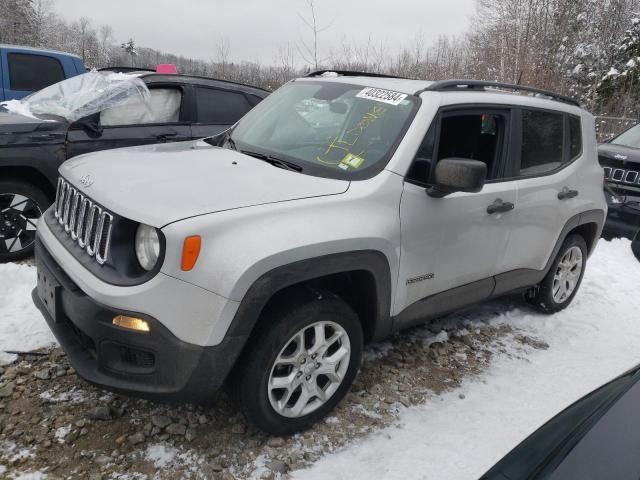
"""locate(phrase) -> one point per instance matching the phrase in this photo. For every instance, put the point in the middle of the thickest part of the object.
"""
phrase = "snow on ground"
(22, 327)
(461, 434)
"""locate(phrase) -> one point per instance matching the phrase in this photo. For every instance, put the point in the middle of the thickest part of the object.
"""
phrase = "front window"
(327, 129)
(630, 138)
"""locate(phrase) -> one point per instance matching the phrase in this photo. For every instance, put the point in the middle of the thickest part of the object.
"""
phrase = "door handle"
(498, 206)
(566, 194)
(46, 136)
(166, 136)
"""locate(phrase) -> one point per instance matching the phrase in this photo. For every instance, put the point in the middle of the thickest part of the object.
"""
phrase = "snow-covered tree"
(619, 89)
(130, 48)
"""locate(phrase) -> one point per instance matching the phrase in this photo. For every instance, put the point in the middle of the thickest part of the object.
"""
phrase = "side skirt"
(456, 298)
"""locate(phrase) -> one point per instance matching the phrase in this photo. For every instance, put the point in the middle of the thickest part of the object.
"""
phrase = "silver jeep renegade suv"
(341, 209)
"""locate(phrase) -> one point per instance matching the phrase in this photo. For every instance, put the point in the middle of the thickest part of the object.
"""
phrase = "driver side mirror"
(458, 175)
(90, 124)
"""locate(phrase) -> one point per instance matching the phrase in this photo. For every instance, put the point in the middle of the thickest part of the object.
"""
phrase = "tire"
(549, 297)
(21, 205)
(276, 338)
(635, 245)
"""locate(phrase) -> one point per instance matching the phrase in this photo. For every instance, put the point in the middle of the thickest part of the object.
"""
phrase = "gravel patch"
(53, 423)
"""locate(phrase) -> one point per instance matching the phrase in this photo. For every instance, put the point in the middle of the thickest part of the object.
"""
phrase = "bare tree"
(309, 51)
(222, 52)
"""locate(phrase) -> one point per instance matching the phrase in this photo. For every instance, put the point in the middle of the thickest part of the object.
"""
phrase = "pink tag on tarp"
(169, 68)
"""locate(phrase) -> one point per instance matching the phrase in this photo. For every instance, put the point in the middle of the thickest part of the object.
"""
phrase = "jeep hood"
(161, 184)
(620, 153)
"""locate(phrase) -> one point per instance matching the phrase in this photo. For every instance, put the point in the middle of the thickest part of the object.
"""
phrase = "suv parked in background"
(343, 208)
(99, 111)
(24, 70)
(620, 158)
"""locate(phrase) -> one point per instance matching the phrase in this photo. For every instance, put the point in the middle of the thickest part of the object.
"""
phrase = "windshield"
(328, 129)
(83, 95)
(630, 138)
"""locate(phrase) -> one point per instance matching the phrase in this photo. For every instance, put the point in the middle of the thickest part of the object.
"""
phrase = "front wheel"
(557, 289)
(21, 206)
(299, 364)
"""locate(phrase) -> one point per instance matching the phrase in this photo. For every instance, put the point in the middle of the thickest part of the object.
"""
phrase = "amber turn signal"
(131, 323)
(190, 252)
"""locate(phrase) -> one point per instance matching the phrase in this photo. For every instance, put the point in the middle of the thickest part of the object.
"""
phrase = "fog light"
(131, 323)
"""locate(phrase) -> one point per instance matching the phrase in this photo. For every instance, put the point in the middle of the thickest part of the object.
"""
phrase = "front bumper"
(622, 221)
(155, 365)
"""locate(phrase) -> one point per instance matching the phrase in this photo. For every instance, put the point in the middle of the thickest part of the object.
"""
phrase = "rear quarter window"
(575, 137)
(33, 72)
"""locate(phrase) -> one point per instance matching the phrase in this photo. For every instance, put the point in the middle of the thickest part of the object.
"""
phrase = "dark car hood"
(594, 433)
(19, 129)
(621, 153)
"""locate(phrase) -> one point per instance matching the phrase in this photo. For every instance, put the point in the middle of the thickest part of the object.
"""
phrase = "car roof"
(152, 77)
(456, 91)
(38, 50)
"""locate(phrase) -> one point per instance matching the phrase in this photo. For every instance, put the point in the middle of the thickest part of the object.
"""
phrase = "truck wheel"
(635, 245)
(300, 363)
(561, 284)
(21, 205)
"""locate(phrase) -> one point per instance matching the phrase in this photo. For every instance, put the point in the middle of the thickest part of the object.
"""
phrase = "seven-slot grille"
(88, 224)
(622, 175)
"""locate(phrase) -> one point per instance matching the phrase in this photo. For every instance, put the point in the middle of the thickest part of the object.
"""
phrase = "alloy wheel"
(567, 274)
(309, 369)
(18, 222)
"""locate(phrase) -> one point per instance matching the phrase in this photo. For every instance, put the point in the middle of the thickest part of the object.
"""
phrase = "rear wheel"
(635, 245)
(557, 289)
(21, 205)
(299, 365)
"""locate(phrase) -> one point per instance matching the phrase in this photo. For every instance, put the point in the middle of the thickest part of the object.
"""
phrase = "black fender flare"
(274, 281)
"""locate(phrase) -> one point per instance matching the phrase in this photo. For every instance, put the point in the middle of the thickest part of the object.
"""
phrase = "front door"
(161, 119)
(460, 239)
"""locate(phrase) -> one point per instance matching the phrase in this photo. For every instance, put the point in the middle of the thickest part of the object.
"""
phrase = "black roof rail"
(444, 85)
(352, 73)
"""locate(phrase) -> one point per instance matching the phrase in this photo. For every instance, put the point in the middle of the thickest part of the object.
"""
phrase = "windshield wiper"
(275, 161)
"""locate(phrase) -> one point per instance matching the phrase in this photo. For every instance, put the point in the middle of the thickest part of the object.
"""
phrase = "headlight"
(147, 246)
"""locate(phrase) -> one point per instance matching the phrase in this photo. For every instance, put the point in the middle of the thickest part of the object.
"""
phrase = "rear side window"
(575, 137)
(163, 106)
(219, 106)
(33, 72)
(542, 142)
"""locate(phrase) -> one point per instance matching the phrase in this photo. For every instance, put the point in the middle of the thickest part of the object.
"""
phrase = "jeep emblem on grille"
(618, 156)
(86, 181)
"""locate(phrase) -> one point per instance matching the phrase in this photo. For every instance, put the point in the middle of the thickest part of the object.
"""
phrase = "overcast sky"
(256, 29)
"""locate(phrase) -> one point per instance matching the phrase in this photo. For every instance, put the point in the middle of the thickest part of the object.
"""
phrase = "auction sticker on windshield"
(381, 95)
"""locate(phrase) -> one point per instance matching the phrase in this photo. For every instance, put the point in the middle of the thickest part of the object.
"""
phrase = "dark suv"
(620, 157)
(99, 111)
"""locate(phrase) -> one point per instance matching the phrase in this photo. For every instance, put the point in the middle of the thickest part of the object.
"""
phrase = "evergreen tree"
(619, 90)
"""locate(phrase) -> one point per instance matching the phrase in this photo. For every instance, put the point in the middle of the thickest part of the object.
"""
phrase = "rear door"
(217, 109)
(26, 72)
(546, 173)
(164, 119)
